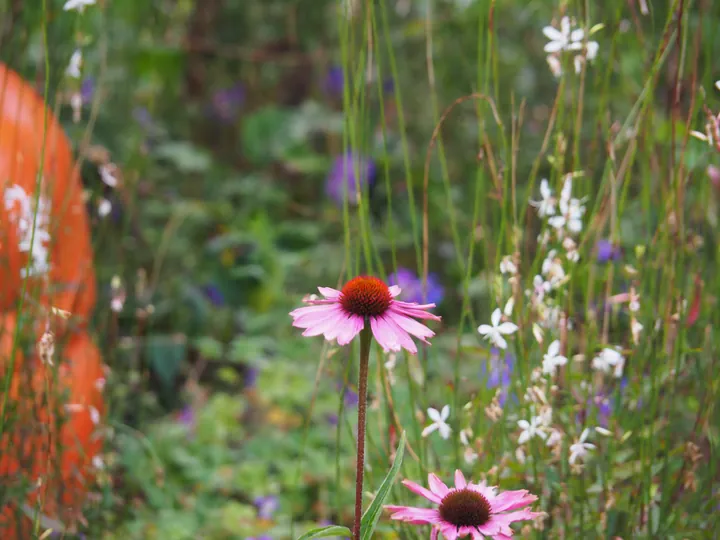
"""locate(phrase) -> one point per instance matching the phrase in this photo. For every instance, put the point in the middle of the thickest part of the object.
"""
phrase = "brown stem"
(365, 338)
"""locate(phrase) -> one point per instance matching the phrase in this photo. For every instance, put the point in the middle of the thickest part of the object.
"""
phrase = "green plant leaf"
(324, 532)
(372, 514)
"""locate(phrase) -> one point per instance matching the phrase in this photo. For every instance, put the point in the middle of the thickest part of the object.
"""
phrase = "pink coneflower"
(468, 509)
(343, 314)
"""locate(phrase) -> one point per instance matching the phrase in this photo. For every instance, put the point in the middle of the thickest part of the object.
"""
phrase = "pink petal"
(309, 318)
(300, 312)
(413, 311)
(411, 326)
(437, 486)
(417, 516)
(460, 482)
(352, 328)
(512, 500)
(449, 531)
(503, 521)
(329, 292)
(390, 336)
(403, 337)
(326, 324)
(394, 290)
(419, 490)
(434, 534)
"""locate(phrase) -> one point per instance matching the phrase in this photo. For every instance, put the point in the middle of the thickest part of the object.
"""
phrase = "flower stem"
(365, 338)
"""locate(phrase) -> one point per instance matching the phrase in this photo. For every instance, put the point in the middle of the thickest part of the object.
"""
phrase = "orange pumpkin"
(51, 435)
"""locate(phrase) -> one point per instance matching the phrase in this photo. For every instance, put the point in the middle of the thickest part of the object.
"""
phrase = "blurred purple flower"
(351, 398)
(342, 177)
(266, 506)
(388, 85)
(334, 81)
(142, 116)
(187, 417)
(332, 419)
(251, 376)
(87, 89)
(412, 286)
(500, 371)
(607, 251)
(226, 103)
(214, 294)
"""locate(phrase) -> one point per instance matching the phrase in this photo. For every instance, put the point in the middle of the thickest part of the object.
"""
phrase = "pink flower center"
(366, 296)
(465, 508)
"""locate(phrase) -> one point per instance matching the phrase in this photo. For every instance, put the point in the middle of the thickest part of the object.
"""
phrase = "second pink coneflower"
(341, 315)
(474, 510)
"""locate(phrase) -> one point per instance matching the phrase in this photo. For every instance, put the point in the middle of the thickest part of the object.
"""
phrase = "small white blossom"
(580, 449)
(552, 360)
(533, 428)
(108, 174)
(495, 333)
(438, 423)
(470, 456)
(78, 5)
(546, 204)
(555, 438)
(73, 69)
(104, 207)
(541, 287)
(507, 311)
(635, 328)
(571, 210)
(465, 435)
(507, 266)
(609, 359)
(565, 39)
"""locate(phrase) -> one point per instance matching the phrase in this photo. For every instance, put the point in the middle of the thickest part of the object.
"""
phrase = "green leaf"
(165, 355)
(324, 532)
(187, 157)
(372, 514)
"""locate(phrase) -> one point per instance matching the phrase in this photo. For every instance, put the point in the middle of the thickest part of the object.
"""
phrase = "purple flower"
(251, 376)
(214, 294)
(607, 251)
(226, 103)
(142, 116)
(500, 371)
(87, 89)
(332, 419)
(266, 506)
(334, 81)
(412, 286)
(343, 177)
(187, 417)
(351, 398)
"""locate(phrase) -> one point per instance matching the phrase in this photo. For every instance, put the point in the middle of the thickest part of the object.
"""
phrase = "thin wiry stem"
(365, 339)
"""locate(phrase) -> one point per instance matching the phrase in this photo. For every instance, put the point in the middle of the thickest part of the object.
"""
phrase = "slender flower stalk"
(365, 306)
(365, 339)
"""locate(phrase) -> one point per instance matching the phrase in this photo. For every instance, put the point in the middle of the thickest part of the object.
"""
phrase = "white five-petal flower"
(438, 422)
(580, 449)
(546, 204)
(609, 359)
(533, 428)
(495, 332)
(552, 360)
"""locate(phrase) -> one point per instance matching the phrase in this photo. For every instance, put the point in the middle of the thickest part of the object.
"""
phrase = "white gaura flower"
(541, 287)
(580, 448)
(546, 204)
(567, 39)
(495, 333)
(507, 266)
(104, 207)
(553, 359)
(533, 428)
(73, 69)
(555, 437)
(571, 210)
(78, 5)
(438, 423)
(609, 360)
